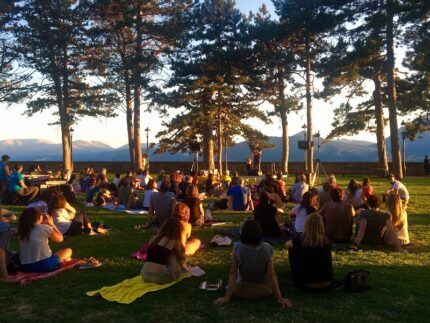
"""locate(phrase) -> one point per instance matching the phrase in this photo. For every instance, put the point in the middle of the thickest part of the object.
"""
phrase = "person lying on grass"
(375, 226)
(165, 260)
(34, 230)
(310, 256)
(252, 262)
(182, 213)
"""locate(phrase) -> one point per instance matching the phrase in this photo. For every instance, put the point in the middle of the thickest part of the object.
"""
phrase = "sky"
(112, 131)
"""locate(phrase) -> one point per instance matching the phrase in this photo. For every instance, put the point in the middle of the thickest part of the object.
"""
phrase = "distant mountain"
(335, 150)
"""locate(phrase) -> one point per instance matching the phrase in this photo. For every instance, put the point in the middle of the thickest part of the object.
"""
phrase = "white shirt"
(37, 247)
(146, 199)
(403, 192)
(62, 220)
(298, 189)
(301, 214)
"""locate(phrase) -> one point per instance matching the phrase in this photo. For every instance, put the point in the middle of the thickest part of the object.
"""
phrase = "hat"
(5, 157)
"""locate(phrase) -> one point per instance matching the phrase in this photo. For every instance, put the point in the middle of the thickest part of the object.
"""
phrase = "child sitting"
(182, 213)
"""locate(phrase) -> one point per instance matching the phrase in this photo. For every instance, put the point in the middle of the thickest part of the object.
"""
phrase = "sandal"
(89, 263)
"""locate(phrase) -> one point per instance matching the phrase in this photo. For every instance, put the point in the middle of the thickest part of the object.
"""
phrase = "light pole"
(318, 135)
(404, 148)
(147, 148)
(304, 127)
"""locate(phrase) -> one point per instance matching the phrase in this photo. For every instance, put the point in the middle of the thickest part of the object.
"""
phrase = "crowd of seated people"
(323, 217)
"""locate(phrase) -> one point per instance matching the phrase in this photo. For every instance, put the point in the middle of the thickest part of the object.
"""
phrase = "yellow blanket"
(129, 290)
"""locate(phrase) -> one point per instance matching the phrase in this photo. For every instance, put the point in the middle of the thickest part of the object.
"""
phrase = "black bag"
(68, 194)
(357, 281)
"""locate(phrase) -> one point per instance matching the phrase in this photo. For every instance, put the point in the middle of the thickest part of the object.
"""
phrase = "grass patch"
(400, 281)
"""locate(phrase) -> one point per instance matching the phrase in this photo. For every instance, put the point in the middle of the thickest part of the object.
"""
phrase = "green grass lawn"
(400, 293)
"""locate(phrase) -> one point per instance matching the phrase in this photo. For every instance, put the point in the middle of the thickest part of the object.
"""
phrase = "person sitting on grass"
(375, 226)
(240, 197)
(355, 195)
(35, 230)
(338, 217)
(310, 256)
(182, 213)
(66, 219)
(399, 218)
(183, 187)
(324, 194)
(307, 206)
(367, 188)
(165, 260)
(161, 205)
(252, 273)
(398, 187)
(298, 189)
(195, 204)
(5, 254)
(17, 186)
(268, 216)
(149, 190)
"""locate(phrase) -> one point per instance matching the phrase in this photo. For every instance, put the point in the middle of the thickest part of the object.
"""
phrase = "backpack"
(357, 281)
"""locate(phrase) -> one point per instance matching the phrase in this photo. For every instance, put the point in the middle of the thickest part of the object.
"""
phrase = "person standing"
(4, 174)
(426, 166)
(257, 157)
(17, 186)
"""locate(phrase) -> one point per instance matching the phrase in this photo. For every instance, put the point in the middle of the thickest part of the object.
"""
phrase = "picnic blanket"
(127, 291)
(141, 254)
(27, 278)
(121, 208)
(235, 233)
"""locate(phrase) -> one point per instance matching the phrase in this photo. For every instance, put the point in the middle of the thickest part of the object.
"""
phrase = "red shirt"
(367, 191)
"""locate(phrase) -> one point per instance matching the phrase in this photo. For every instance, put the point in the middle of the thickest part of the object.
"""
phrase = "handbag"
(357, 281)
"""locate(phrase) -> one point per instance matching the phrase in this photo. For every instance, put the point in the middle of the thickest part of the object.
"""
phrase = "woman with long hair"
(399, 217)
(252, 273)
(269, 216)
(355, 195)
(182, 213)
(66, 219)
(165, 260)
(195, 204)
(35, 230)
(308, 205)
(310, 256)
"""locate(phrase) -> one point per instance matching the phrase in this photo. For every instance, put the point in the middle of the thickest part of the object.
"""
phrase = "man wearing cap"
(4, 173)
(17, 186)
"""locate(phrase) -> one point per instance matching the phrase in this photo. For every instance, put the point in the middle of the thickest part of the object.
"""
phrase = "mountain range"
(339, 150)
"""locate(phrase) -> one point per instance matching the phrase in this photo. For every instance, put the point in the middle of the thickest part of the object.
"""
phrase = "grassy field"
(400, 293)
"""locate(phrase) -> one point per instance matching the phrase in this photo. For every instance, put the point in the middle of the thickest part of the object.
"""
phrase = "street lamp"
(147, 148)
(318, 136)
(304, 127)
(404, 147)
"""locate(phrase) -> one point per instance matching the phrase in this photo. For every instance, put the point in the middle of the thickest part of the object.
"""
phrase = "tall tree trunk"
(380, 125)
(309, 110)
(219, 133)
(208, 146)
(129, 119)
(392, 95)
(138, 164)
(284, 126)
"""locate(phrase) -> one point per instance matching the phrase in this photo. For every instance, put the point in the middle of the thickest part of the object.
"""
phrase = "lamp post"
(404, 147)
(304, 127)
(147, 148)
(318, 136)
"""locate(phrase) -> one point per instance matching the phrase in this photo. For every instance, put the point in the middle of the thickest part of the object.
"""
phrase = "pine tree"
(210, 74)
(135, 35)
(308, 24)
(52, 40)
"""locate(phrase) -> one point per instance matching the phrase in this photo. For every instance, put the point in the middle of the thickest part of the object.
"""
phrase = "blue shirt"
(3, 175)
(240, 197)
(14, 186)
